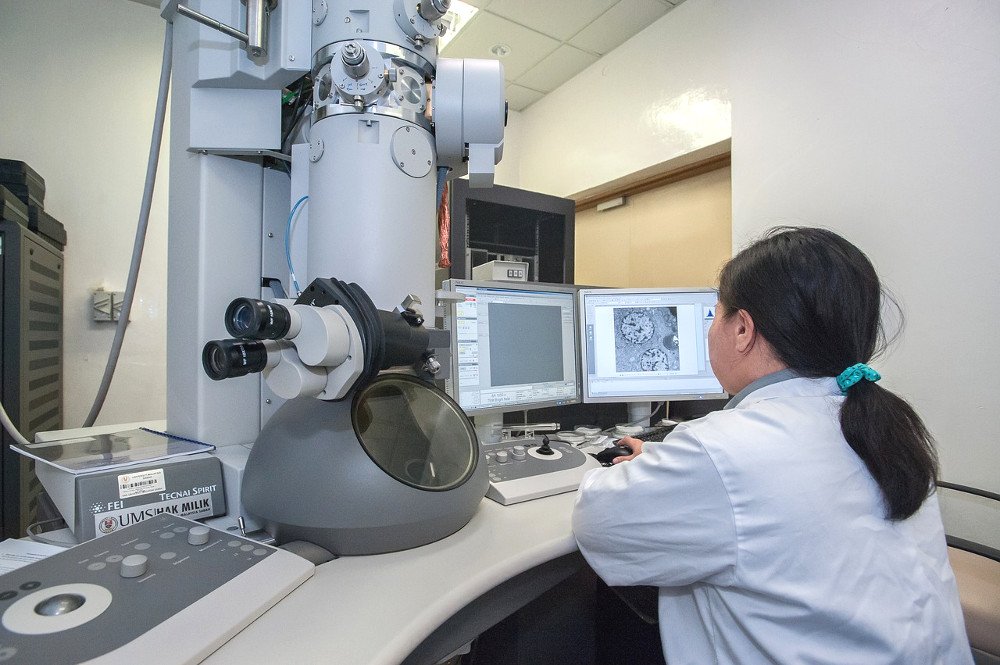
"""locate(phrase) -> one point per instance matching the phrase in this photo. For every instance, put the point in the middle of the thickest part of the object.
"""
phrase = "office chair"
(972, 526)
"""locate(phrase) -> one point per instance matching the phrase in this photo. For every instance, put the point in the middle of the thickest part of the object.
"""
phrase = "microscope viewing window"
(415, 433)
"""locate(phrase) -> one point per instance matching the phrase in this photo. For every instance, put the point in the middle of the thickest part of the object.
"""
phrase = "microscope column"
(372, 180)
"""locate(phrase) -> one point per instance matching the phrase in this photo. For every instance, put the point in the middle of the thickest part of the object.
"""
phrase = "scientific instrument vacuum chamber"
(354, 448)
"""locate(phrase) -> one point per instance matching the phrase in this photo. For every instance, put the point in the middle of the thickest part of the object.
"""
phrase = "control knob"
(519, 452)
(503, 456)
(198, 535)
(134, 565)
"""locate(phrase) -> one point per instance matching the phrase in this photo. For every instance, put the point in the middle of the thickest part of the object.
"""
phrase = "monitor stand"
(489, 426)
(639, 413)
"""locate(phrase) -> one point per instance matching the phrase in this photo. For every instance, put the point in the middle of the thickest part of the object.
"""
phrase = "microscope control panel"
(523, 468)
(164, 590)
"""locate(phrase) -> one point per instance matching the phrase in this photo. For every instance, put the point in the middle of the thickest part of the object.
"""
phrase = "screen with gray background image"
(525, 344)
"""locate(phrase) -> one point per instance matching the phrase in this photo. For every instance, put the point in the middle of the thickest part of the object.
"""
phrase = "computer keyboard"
(655, 433)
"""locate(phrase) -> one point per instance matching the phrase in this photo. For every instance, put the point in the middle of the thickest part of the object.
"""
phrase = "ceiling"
(547, 41)
(550, 41)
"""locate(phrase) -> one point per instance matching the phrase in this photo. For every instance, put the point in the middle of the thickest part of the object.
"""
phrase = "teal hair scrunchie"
(855, 373)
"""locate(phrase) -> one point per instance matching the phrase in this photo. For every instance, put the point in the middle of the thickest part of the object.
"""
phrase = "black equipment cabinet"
(31, 371)
(487, 223)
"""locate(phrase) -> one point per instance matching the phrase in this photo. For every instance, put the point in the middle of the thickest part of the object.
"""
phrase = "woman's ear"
(746, 332)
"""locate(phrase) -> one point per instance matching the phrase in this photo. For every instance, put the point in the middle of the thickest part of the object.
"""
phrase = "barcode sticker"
(141, 482)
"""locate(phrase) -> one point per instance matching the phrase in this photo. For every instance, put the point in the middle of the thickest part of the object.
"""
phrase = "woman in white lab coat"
(800, 524)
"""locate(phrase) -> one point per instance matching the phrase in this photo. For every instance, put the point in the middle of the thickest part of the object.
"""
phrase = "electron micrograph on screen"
(646, 339)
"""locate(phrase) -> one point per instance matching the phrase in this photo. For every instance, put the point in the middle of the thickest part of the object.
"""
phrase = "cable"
(37, 537)
(299, 111)
(140, 231)
(443, 219)
(288, 238)
(293, 116)
(649, 417)
(300, 116)
(11, 429)
(442, 176)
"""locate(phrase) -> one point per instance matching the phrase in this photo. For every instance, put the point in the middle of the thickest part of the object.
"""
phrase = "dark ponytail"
(817, 301)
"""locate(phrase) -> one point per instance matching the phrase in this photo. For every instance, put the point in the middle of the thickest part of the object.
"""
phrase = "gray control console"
(520, 471)
(165, 590)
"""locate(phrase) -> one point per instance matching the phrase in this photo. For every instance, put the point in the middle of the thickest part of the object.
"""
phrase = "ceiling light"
(500, 50)
(458, 16)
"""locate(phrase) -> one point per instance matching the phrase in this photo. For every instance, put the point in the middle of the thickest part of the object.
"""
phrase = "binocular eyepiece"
(319, 340)
(250, 321)
(247, 318)
(228, 358)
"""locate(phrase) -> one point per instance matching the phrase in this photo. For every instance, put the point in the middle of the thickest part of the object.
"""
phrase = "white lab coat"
(766, 536)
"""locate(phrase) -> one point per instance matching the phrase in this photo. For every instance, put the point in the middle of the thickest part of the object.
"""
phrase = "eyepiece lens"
(257, 319)
(243, 319)
(228, 358)
(216, 359)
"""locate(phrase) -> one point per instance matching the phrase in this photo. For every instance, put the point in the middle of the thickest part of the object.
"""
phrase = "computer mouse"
(606, 456)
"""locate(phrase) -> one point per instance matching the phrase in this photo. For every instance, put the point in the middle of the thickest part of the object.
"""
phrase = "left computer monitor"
(514, 346)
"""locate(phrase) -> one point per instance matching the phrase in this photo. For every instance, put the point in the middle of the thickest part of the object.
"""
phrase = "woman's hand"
(629, 442)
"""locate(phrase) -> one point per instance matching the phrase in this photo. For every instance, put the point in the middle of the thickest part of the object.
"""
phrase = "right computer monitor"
(647, 344)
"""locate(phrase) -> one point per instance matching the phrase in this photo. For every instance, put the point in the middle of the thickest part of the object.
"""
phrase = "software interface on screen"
(515, 347)
(647, 344)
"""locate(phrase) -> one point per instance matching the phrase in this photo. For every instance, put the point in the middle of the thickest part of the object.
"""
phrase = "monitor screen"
(647, 344)
(514, 345)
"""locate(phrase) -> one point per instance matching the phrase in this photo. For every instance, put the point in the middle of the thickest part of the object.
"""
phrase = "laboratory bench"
(418, 605)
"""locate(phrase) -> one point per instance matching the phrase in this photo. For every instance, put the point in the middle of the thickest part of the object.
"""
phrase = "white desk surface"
(375, 610)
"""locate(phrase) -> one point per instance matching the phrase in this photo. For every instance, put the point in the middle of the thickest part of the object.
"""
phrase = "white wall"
(77, 89)
(662, 94)
(878, 120)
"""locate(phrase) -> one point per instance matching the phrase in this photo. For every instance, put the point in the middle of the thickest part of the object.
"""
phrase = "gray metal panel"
(41, 316)
(214, 248)
(235, 119)
(276, 206)
(216, 206)
(31, 290)
(187, 599)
